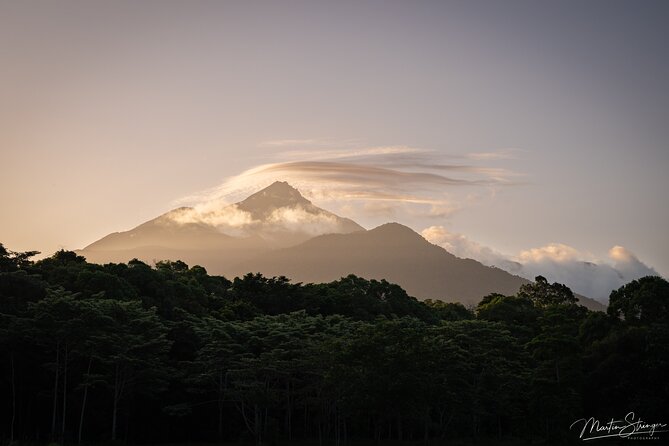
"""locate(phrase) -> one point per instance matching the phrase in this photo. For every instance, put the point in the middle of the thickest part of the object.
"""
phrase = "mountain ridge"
(283, 233)
(393, 252)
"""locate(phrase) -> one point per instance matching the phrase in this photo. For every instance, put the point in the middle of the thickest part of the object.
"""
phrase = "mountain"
(276, 216)
(281, 216)
(165, 237)
(393, 252)
(277, 231)
(396, 253)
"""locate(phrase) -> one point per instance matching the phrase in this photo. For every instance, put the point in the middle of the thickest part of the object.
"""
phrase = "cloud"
(621, 255)
(581, 271)
(291, 142)
(339, 153)
(366, 175)
(584, 274)
(628, 264)
(299, 220)
(371, 181)
(461, 246)
(444, 209)
(332, 184)
(380, 209)
(234, 221)
(228, 219)
(554, 252)
(319, 143)
(503, 154)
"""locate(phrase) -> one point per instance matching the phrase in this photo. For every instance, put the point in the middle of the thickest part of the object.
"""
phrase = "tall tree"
(545, 294)
(645, 300)
(133, 352)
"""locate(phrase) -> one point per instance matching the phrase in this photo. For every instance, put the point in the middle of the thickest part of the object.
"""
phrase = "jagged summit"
(283, 217)
(281, 188)
(277, 195)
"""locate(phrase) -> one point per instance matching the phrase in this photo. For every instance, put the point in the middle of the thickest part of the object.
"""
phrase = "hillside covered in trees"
(166, 354)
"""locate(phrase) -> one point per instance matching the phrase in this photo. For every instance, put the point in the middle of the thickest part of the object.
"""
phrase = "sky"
(533, 130)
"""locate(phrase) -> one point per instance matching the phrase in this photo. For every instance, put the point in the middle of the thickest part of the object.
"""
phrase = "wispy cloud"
(367, 180)
(289, 142)
(301, 142)
(339, 153)
(365, 175)
(502, 154)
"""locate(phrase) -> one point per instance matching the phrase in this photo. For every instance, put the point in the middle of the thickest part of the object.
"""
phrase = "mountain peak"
(281, 188)
(277, 195)
(395, 229)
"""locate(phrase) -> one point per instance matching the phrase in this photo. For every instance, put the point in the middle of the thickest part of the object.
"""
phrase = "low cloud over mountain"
(270, 213)
(557, 262)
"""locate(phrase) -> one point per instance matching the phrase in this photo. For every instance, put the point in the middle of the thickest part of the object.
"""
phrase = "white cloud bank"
(561, 263)
(234, 221)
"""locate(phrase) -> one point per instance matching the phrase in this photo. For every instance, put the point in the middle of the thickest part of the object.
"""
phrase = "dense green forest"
(168, 354)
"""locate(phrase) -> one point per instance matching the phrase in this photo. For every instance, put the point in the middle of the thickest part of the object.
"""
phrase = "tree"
(544, 294)
(449, 311)
(132, 349)
(272, 296)
(12, 261)
(84, 347)
(7, 264)
(518, 314)
(494, 367)
(14, 331)
(214, 359)
(641, 301)
(57, 319)
(557, 376)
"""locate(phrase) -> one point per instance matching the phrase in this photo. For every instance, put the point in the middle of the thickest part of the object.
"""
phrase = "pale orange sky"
(112, 113)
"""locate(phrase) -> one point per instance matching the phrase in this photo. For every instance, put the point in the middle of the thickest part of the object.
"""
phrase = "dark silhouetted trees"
(136, 353)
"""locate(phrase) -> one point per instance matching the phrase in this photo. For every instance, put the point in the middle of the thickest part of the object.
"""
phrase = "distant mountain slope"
(166, 232)
(393, 252)
(163, 238)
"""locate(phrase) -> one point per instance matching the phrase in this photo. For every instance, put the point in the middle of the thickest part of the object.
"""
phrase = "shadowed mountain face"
(393, 252)
(283, 233)
(396, 253)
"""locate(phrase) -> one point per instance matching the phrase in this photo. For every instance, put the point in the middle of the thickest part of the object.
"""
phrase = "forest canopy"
(169, 353)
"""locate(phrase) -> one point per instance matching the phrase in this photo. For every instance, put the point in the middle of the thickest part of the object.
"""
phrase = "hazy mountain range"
(277, 231)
